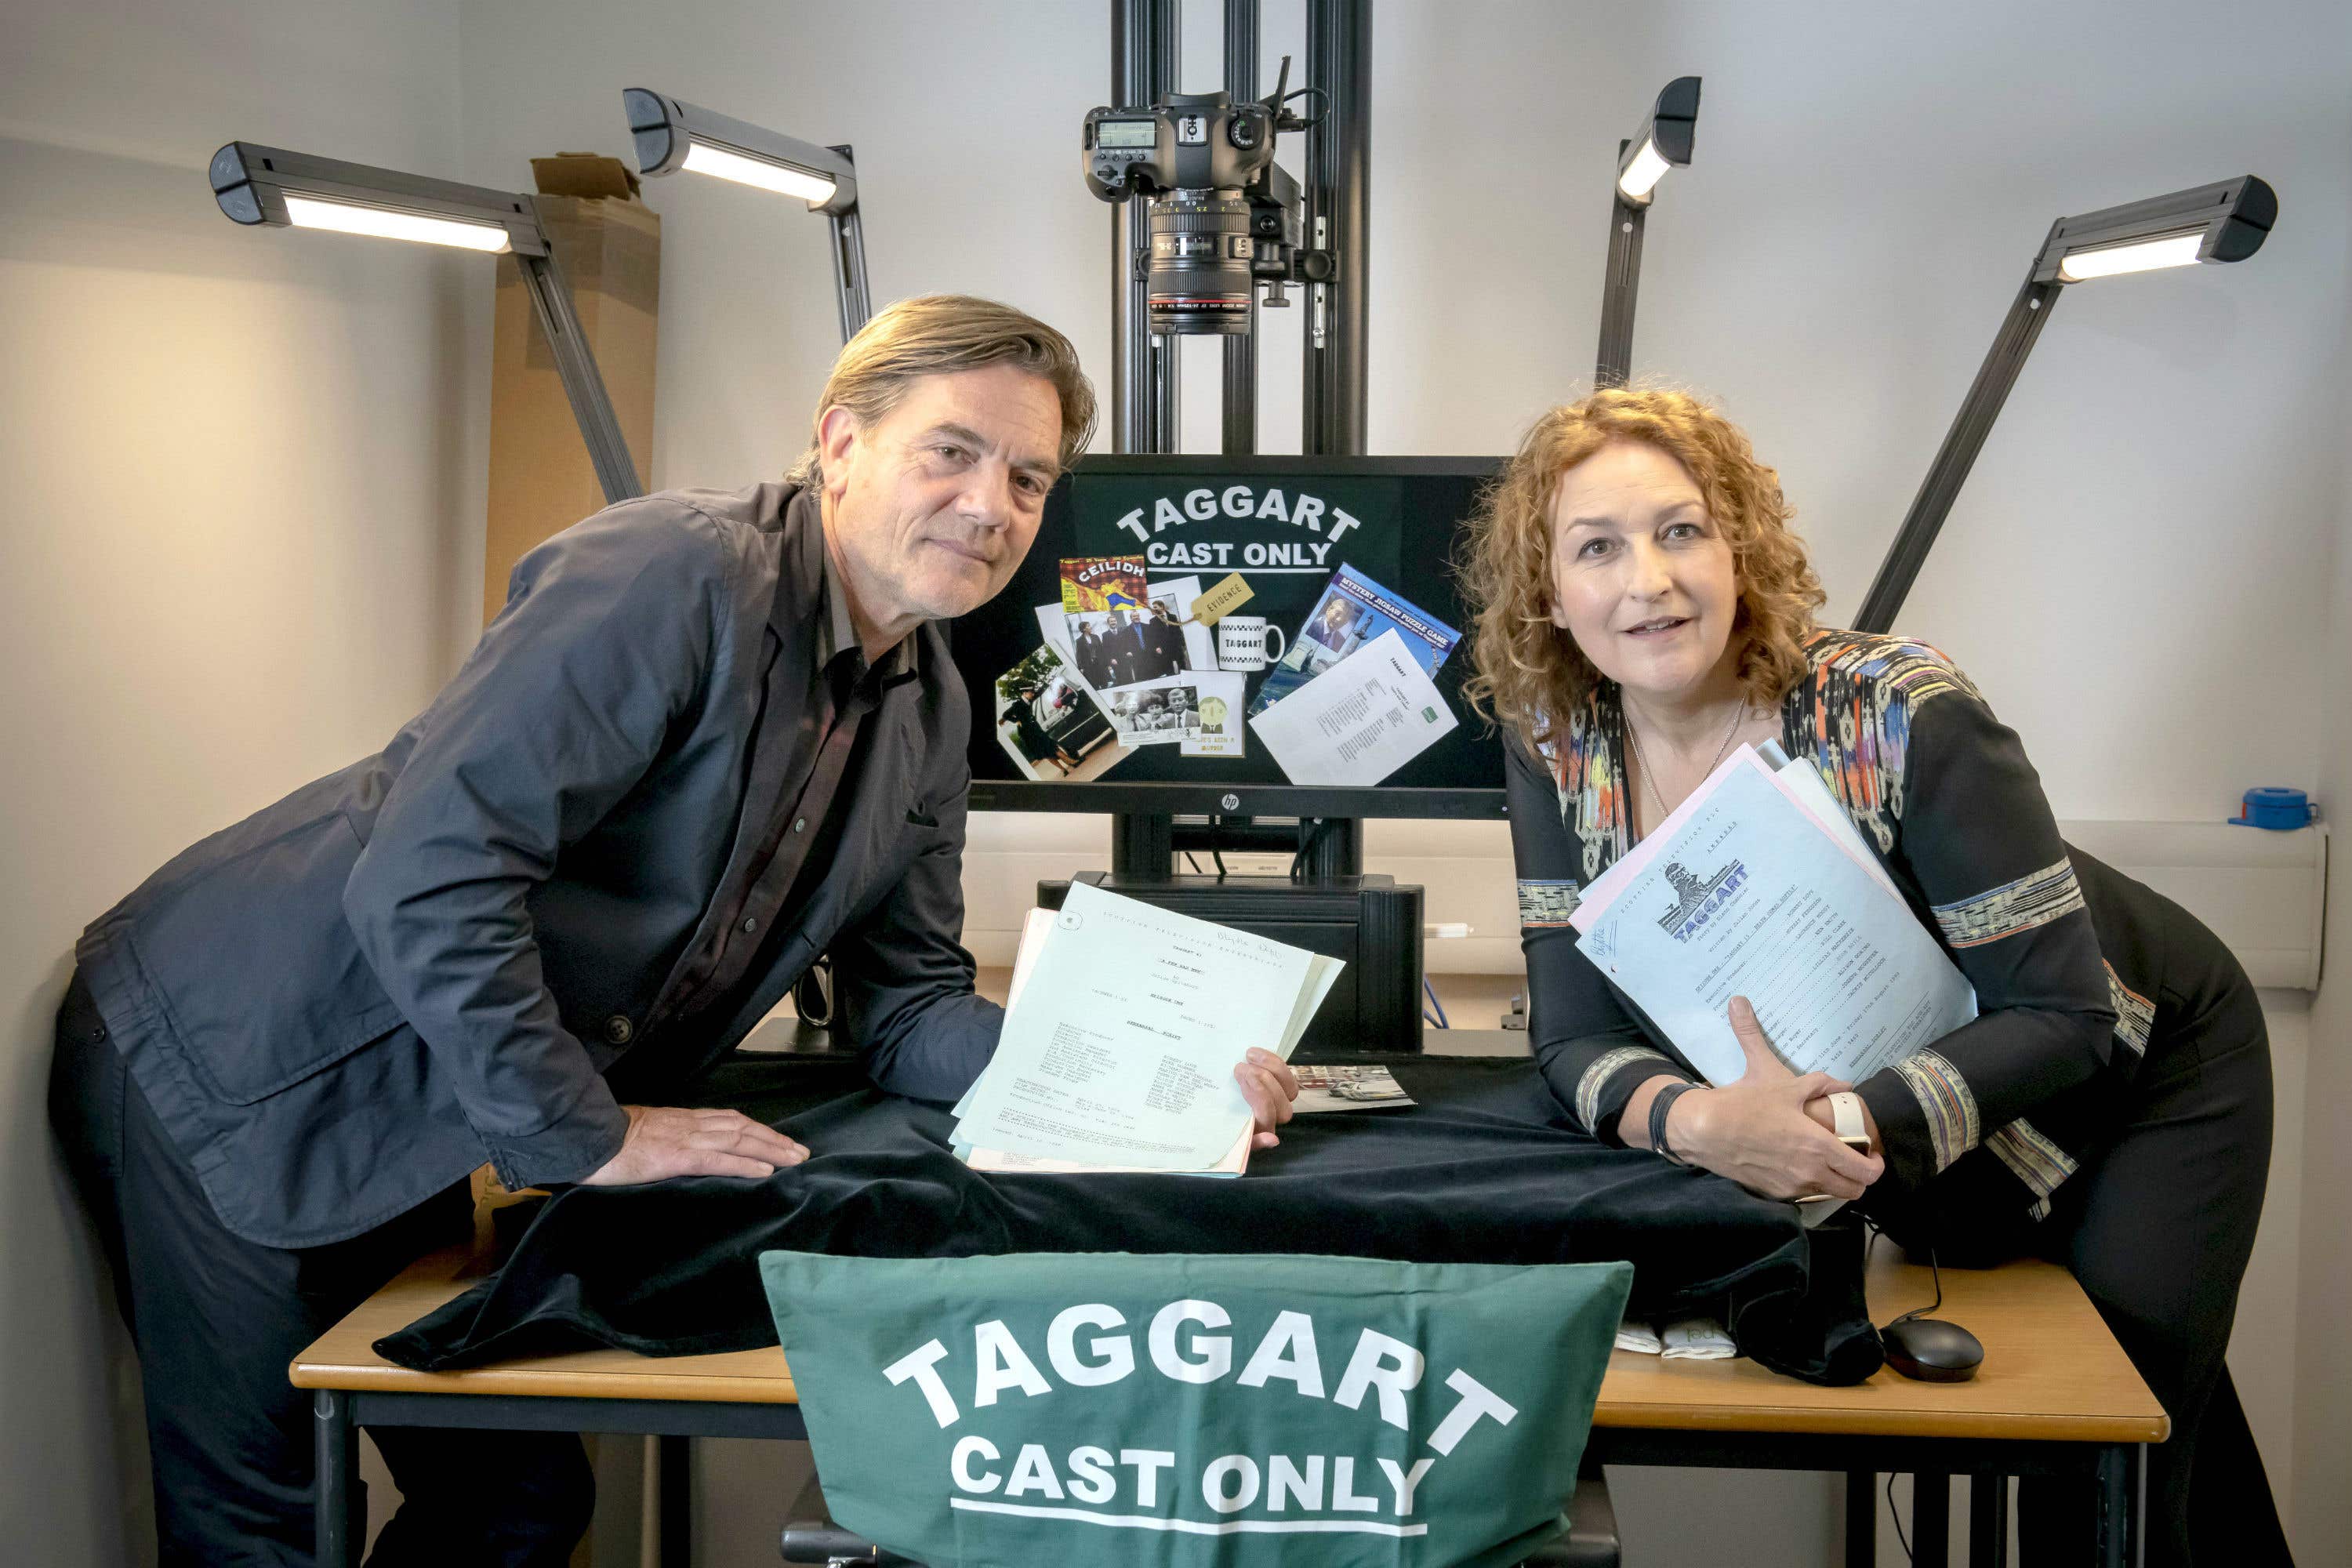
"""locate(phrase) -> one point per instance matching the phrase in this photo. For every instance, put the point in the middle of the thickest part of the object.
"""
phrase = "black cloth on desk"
(1484, 1169)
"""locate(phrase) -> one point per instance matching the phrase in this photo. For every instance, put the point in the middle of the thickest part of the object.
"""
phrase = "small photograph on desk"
(1051, 725)
(1347, 1089)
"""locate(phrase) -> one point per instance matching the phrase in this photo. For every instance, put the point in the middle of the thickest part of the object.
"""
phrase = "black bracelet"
(1659, 1106)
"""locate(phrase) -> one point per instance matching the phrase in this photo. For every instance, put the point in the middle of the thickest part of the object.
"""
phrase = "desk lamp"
(1663, 143)
(270, 187)
(671, 135)
(2223, 222)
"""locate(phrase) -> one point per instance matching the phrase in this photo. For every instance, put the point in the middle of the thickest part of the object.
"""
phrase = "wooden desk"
(2056, 1397)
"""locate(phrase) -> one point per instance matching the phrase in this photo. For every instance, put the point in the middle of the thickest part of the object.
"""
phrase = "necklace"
(1649, 775)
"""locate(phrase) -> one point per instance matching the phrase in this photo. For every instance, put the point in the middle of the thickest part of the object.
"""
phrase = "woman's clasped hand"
(1758, 1131)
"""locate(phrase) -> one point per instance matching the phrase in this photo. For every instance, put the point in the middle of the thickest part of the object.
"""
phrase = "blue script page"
(1751, 898)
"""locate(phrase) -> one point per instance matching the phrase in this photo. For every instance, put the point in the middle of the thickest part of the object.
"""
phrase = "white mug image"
(1242, 642)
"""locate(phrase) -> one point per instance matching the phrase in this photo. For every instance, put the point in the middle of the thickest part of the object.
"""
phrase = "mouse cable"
(1934, 1270)
(1896, 1515)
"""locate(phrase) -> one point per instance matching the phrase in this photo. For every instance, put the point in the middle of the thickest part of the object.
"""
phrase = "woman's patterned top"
(1943, 792)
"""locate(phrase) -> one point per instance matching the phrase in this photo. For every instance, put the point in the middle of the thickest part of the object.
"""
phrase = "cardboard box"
(609, 246)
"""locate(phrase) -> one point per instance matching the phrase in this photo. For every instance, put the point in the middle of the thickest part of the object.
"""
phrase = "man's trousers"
(217, 1319)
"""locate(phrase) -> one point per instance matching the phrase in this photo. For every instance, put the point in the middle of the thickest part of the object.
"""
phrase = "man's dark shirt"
(797, 791)
(432, 958)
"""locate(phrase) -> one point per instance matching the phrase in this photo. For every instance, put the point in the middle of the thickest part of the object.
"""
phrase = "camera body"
(1185, 142)
(1221, 213)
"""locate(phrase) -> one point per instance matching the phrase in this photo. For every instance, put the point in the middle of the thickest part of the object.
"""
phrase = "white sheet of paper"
(1358, 722)
(1748, 895)
(1035, 928)
(1120, 1046)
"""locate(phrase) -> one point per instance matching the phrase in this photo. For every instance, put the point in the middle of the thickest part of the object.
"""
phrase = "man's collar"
(828, 606)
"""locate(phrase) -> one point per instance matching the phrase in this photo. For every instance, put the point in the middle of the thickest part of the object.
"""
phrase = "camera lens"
(1199, 279)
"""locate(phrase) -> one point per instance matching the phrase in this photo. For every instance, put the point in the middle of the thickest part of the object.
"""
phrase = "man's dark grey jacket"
(430, 959)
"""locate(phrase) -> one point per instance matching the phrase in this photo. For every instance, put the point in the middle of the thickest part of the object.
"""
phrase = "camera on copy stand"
(1223, 217)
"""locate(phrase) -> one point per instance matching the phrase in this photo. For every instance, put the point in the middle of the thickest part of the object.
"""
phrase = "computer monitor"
(1284, 525)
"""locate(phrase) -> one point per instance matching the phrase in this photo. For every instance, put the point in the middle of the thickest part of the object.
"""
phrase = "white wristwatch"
(1845, 1113)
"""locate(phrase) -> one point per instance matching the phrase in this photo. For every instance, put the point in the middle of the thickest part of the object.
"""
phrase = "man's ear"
(837, 434)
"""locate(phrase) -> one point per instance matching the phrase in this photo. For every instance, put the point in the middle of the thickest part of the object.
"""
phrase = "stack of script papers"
(1760, 885)
(1123, 1025)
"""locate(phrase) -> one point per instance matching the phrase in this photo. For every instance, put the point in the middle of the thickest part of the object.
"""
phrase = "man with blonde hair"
(712, 736)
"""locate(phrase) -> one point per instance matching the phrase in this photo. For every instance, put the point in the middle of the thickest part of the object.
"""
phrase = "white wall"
(251, 464)
(2322, 1350)
(244, 507)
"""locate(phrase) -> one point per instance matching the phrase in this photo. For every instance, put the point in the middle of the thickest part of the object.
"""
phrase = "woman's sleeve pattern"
(2033, 899)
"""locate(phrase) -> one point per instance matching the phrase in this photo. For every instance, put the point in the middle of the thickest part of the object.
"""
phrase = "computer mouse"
(1932, 1349)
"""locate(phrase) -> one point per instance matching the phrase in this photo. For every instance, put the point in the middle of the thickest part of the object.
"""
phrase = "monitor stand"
(1144, 846)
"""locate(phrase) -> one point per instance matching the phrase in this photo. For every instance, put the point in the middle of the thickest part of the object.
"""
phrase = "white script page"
(1121, 1045)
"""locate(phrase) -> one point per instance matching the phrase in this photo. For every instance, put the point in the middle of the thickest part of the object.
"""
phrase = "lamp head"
(671, 135)
(1663, 143)
(2227, 221)
(269, 187)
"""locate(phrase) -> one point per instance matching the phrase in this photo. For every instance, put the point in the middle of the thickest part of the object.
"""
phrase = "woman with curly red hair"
(1643, 610)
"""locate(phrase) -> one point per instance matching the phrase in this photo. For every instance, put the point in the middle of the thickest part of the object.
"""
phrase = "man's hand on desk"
(664, 1141)
(1763, 1130)
(1269, 1086)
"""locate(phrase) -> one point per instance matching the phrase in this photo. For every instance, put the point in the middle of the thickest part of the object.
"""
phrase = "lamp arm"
(1619, 288)
(849, 261)
(1966, 438)
(575, 365)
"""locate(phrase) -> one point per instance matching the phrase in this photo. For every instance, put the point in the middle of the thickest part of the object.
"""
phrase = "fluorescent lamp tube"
(1641, 176)
(2141, 256)
(310, 212)
(704, 158)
